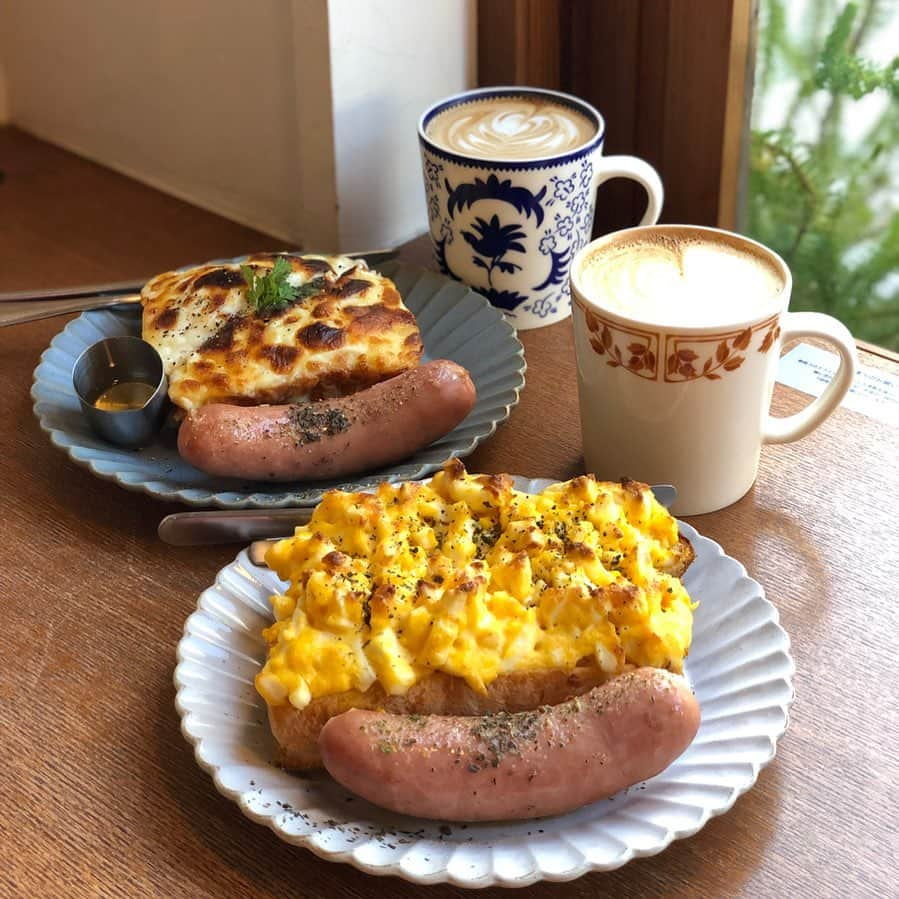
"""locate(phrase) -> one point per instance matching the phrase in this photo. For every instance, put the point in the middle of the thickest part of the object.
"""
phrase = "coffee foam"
(510, 128)
(683, 278)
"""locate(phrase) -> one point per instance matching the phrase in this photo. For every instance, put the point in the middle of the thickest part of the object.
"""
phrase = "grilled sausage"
(329, 438)
(515, 765)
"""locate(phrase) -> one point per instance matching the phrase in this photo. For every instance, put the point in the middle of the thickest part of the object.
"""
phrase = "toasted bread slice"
(347, 330)
(682, 556)
(296, 730)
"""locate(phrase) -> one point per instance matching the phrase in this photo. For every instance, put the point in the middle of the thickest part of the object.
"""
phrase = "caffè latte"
(510, 127)
(681, 276)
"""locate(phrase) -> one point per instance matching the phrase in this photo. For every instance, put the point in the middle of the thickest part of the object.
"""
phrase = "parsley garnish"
(272, 292)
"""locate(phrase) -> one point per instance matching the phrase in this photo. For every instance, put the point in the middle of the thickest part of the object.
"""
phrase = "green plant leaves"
(821, 192)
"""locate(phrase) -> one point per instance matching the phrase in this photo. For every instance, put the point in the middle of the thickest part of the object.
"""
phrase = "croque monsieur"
(336, 328)
(463, 596)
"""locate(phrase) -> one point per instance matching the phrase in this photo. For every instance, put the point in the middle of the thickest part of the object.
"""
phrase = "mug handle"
(835, 333)
(641, 172)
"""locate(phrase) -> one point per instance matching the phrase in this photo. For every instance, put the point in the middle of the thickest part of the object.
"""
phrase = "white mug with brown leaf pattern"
(689, 404)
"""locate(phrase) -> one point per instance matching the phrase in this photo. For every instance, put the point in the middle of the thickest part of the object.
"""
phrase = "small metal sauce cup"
(108, 362)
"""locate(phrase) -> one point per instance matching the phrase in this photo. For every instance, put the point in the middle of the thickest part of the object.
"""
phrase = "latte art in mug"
(670, 278)
(511, 177)
(510, 128)
(678, 331)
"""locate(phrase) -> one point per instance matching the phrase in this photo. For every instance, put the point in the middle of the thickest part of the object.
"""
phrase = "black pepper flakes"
(310, 422)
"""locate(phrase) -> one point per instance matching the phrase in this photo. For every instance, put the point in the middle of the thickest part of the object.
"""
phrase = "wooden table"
(100, 794)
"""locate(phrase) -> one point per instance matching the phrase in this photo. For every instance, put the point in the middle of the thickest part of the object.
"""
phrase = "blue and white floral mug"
(511, 175)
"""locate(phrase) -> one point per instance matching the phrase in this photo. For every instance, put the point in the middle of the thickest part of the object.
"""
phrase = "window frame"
(673, 81)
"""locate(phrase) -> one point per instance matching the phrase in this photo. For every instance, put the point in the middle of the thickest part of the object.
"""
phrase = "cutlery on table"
(227, 526)
(18, 307)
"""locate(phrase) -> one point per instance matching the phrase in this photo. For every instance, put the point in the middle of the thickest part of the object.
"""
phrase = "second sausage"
(329, 438)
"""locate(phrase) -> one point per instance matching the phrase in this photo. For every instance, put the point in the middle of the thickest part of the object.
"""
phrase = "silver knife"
(247, 525)
(225, 526)
(22, 306)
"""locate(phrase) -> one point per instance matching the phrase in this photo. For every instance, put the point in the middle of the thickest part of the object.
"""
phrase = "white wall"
(390, 59)
(313, 188)
(193, 96)
(296, 117)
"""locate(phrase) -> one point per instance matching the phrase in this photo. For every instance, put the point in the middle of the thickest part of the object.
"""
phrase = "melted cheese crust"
(468, 576)
(349, 335)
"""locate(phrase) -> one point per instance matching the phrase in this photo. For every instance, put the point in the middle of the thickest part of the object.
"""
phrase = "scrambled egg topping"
(468, 576)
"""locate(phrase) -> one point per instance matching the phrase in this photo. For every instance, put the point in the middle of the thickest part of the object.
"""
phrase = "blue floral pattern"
(564, 224)
(586, 176)
(433, 208)
(544, 307)
(558, 272)
(432, 172)
(465, 195)
(491, 241)
(502, 218)
(564, 187)
(504, 299)
(578, 202)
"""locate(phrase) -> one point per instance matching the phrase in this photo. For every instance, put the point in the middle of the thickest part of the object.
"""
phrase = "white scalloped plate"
(455, 322)
(739, 667)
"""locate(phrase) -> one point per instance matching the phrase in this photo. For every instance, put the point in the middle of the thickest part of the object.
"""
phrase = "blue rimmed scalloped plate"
(455, 322)
(740, 669)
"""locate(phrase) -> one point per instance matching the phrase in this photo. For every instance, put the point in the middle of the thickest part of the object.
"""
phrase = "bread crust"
(296, 730)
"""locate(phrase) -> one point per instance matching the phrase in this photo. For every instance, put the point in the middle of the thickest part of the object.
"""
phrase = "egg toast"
(463, 595)
(340, 328)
